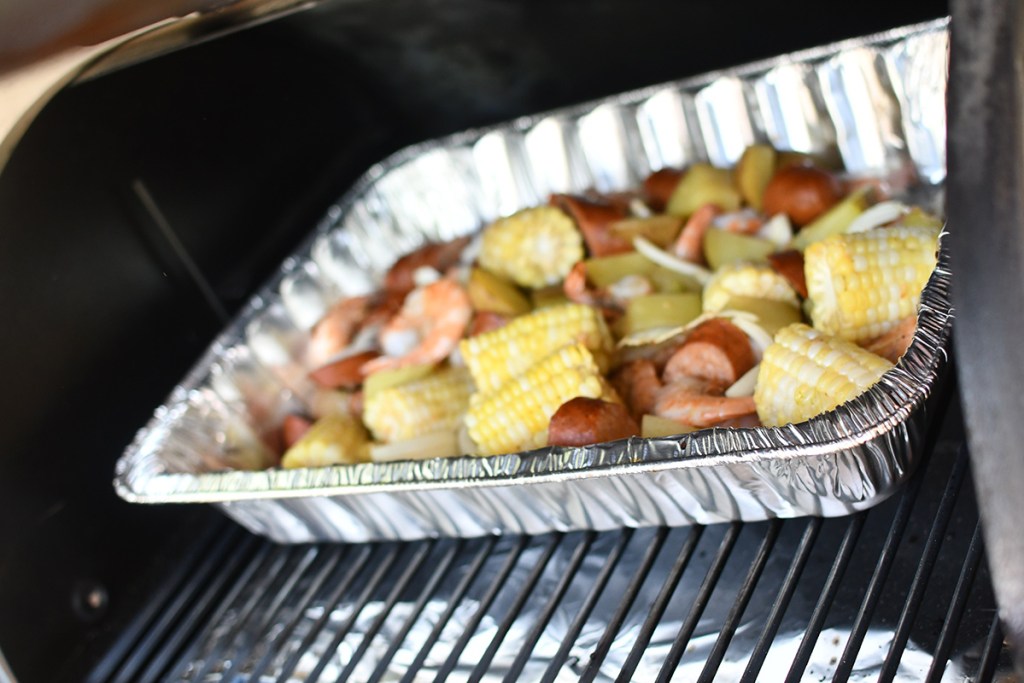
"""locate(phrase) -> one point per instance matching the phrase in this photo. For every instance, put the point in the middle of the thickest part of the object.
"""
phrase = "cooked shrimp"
(746, 221)
(428, 328)
(638, 384)
(694, 403)
(716, 351)
(689, 245)
(614, 297)
(332, 334)
(437, 255)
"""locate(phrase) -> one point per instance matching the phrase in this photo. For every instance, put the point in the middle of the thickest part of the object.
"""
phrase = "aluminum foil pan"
(878, 103)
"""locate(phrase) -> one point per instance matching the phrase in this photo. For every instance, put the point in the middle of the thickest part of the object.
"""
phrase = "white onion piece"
(878, 215)
(777, 230)
(639, 209)
(442, 444)
(425, 275)
(667, 260)
(745, 385)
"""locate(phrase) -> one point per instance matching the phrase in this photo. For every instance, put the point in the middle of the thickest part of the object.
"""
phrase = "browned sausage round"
(582, 421)
(659, 186)
(294, 428)
(346, 373)
(716, 351)
(594, 217)
(790, 265)
(801, 192)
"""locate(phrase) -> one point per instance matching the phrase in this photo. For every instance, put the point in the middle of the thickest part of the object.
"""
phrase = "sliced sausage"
(790, 265)
(659, 186)
(582, 421)
(345, 373)
(594, 218)
(716, 351)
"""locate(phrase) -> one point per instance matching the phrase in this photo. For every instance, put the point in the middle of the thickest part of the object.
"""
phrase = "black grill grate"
(900, 592)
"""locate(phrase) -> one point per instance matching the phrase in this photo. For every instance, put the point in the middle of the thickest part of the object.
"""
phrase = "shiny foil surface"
(878, 104)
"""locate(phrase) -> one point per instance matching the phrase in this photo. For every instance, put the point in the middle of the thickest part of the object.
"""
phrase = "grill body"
(240, 143)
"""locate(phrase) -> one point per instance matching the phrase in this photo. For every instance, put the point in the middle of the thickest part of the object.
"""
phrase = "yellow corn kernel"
(433, 403)
(516, 416)
(861, 285)
(806, 372)
(759, 281)
(332, 440)
(495, 356)
(533, 248)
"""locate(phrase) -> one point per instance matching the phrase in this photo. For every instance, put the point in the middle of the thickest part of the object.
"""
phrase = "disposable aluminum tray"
(878, 103)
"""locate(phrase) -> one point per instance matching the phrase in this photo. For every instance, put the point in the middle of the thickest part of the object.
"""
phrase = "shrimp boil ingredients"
(693, 402)
(429, 327)
(332, 334)
(593, 318)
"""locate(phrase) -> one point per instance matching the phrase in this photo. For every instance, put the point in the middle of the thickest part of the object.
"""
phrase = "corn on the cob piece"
(516, 416)
(434, 403)
(861, 285)
(806, 372)
(493, 357)
(534, 247)
(332, 440)
(759, 281)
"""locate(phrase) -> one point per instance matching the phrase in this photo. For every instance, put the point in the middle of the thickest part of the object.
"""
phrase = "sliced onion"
(745, 385)
(878, 215)
(650, 336)
(673, 263)
(443, 444)
(638, 209)
(777, 230)
(748, 322)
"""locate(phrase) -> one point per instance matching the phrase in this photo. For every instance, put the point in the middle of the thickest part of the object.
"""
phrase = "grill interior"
(242, 142)
(899, 592)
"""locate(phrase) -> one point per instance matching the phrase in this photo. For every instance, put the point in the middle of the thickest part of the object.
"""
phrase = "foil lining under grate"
(877, 103)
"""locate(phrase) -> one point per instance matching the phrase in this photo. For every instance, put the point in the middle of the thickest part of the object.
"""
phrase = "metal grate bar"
(657, 609)
(485, 604)
(878, 578)
(515, 608)
(990, 656)
(178, 582)
(350, 576)
(888, 554)
(828, 594)
(739, 605)
(423, 550)
(428, 592)
(205, 573)
(315, 585)
(262, 584)
(789, 584)
(375, 579)
(700, 602)
(956, 607)
(587, 607)
(924, 567)
(245, 649)
(549, 608)
(616, 621)
(453, 602)
(199, 639)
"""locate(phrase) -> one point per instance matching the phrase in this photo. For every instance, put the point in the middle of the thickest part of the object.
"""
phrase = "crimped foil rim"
(883, 408)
